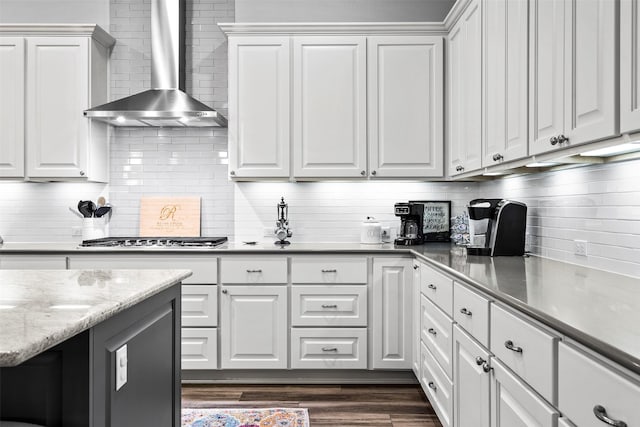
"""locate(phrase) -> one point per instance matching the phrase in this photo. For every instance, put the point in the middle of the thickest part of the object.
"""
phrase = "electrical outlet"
(267, 232)
(76, 231)
(121, 367)
(580, 247)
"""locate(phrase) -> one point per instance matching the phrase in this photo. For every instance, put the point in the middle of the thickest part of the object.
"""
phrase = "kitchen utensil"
(370, 231)
(86, 208)
(102, 211)
(75, 212)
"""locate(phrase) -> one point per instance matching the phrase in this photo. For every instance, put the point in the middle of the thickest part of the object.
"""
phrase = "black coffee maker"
(411, 223)
(497, 227)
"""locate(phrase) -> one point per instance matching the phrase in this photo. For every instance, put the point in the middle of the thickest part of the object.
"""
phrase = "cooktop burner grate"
(155, 242)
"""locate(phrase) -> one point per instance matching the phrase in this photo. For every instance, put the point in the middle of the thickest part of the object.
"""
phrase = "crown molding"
(455, 13)
(315, 28)
(59, 30)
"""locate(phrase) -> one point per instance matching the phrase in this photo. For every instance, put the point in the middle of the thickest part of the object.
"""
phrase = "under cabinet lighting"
(541, 164)
(614, 150)
(6, 307)
(495, 173)
(120, 119)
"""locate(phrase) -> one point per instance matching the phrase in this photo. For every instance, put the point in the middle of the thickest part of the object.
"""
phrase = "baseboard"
(298, 376)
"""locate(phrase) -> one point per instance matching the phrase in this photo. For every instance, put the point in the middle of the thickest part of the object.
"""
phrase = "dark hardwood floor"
(329, 405)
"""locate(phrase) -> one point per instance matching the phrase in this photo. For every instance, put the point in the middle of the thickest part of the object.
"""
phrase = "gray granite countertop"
(42, 308)
(597, 308)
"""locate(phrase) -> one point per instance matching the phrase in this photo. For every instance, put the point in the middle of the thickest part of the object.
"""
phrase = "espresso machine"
(411, 223)
(497, 227)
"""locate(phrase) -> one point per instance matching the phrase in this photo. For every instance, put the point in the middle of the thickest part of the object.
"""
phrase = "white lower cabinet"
(199, 348)
(392, 313)
(329, 305)
(436, 333)
(199, 305)
(471, 381)
(437, 386)
(253, 327)
(515, 404)
(330, 348)
(593, 394)
(415, 309)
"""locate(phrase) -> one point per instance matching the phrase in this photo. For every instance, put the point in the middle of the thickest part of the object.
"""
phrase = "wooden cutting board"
(170, 216)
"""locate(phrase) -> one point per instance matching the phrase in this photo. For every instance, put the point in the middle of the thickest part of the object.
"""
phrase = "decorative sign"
(170, 216)
(437, 220)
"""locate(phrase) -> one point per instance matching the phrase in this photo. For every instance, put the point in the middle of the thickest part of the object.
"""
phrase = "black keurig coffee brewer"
(497, 227)
(411, 223)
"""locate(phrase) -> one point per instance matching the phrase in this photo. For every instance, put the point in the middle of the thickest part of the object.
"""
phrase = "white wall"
(341, 10)
(55, 12)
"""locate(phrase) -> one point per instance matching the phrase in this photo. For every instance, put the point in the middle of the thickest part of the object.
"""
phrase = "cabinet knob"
(82, 173)
(224, 291)
(466, 312)
(497, 157)
(510, 346)
(232, 172)
(562, 139)
(486, 367)
(601, 413)
(480, 361)
(432, 286)
(432, 386)
(373, 173)
(415, 267)
(554, 140)
(363, 173)
(432, 331)
(459, 168)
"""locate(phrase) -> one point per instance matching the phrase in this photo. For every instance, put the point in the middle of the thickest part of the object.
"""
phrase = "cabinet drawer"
(344, 348)
(329, 305)
(526, 349)
(471, 311)
(436, 386)
(199, 305)
(205, 268)
(323, 269)
(199, 348)
(254, 270)
(33, 262)
(515, 403)
(438, 288)
(436, 330)
(584, 383)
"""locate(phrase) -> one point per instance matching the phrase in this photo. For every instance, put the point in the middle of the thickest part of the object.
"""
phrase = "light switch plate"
(121, 367)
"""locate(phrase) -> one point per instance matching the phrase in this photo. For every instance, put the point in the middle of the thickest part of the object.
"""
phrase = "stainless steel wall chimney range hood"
(166, 104)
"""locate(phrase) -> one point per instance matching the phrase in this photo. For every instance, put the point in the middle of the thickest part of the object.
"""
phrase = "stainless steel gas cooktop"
(155, 242)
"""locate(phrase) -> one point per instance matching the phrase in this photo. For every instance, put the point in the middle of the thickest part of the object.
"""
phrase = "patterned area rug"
(238, 417)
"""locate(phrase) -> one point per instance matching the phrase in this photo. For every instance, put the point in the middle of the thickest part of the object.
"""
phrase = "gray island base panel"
(65, 330)
(599, 309)
(42, 308)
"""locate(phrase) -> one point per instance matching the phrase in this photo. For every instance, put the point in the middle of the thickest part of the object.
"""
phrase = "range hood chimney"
(166, 104)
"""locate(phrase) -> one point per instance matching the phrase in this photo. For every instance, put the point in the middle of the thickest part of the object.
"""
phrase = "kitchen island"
(90, 347)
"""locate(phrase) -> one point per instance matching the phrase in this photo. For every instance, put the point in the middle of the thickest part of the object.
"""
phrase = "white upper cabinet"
(505, 62)
(329, 106)
(12, 62)
(573, 97)
(61, 73)
(406, 103)
(464, 126)
(259, 100)
(629, 66)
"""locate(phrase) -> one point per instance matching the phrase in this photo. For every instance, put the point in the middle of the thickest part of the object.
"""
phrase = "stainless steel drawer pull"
(432, 331)
(432, 286)
(224, 291)
(509, 345)
(329, 305)
(254, 271)
(331, 270)
(329, 349)
(466, 312)
(432, 386)
(601, 414)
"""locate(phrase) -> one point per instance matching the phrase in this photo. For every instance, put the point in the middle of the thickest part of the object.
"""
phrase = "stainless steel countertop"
(596, 308)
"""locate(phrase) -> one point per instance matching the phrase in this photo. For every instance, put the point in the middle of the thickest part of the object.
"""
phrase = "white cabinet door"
(471, 383)
(57, 93)
(12, 107)
(591, 98)
(392, 347)
(415, 322)
(199, 305)
(629, 66)
(253, 324)
(405, 97)
(199, 348)
(546, 73)
(464, 134)
(515, 404)
(259, 100)
(329, 106)
(505, 74)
